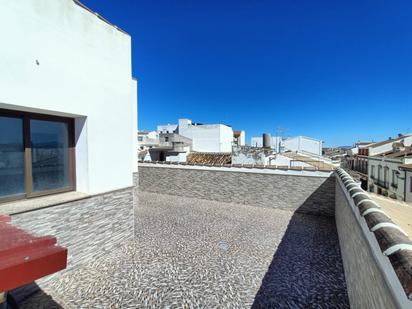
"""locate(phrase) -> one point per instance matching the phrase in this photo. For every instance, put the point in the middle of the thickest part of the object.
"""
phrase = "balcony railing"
(383, 184)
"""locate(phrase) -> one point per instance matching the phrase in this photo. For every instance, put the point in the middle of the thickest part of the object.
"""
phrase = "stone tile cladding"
(305, 194)
(90, 228)
(368, 287)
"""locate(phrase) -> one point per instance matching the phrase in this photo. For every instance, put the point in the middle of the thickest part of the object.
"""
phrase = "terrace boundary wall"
(376, 253)
(310, 192)
(89, 227)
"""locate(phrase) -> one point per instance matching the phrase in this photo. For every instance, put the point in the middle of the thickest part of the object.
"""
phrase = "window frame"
(386, 176)
(28, 177)
(395, 180)
(379, 172)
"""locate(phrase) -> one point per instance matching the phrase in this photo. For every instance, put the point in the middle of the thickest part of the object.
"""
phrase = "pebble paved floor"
(192, 253)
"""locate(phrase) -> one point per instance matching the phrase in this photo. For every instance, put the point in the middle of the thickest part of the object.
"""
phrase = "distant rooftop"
(374, 145)
(407, 167)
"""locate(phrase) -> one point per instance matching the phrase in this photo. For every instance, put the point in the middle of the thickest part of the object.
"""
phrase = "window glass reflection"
(50, 155)
(11, 156)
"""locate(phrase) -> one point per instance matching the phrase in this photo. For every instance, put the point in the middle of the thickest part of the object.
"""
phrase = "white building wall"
(179, 157)
(380, 149)
(242, 138)
(303, 144)
(281, 160)
(407, 140)
(167, 128)
(256, 141)
(153, 135)
(353, 151)
(61, 59)
(225, 138)
(393, 165)
(134, 103)
(209, 138)
(292, 144)
(262, 158)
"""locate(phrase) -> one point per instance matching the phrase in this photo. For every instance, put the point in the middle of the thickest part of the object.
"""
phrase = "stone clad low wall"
(89, 228)
(375, 254)
(297, 192)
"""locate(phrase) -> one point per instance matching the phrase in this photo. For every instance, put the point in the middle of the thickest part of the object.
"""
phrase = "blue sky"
(339, 71)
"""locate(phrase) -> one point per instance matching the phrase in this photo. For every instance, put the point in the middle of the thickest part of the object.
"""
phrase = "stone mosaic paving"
(192, 253)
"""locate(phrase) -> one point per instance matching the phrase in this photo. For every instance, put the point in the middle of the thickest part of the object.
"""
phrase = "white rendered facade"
(146, 139)
(167, 128)
(256, 141)
(239, 138)
(61, 59)
(303, 144)
(205, 138)
(379, 148)
(386, 177)
(262, 159)
(242, 138)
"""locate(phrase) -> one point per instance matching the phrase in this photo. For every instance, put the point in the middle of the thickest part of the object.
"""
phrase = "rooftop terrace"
(228, 237)
(192, 252)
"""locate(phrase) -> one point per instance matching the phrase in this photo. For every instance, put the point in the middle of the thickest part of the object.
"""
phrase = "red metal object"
(25, 258)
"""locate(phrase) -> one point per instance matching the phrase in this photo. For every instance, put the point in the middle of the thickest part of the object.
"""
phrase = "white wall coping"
(243, 170)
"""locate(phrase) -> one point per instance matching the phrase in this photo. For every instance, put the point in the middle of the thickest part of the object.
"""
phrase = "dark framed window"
(395, 175)
(37, 155)
(379, 172)
(386, 177)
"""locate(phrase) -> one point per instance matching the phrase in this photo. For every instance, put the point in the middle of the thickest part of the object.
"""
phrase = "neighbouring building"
(387, 145)
(336, 154)
(171, 147)
(147, 139)
(355, 149)
(239, 138)
(384, 172)
(68, 123)
(266, 156)
(256, 141)
(204, 137)
(301, 144)
(163, 146)
(358, 157)
(406, 170)
(167, 128)
(252, 155)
